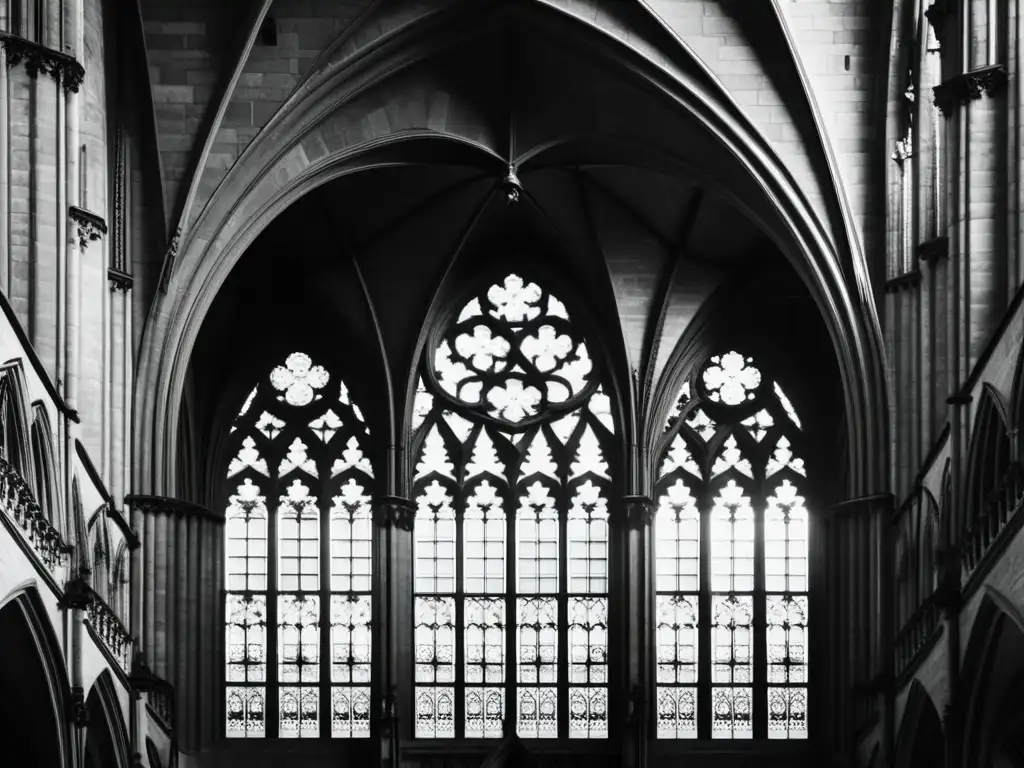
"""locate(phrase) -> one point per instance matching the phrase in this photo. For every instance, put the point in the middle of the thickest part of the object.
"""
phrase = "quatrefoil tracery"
(513, 355)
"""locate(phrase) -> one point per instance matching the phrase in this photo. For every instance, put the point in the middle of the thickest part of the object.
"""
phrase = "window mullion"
(563, 615)
(459, 711)
(704, 650)
(511, 616)
(759, 704)
(273, 697)
(326, 702)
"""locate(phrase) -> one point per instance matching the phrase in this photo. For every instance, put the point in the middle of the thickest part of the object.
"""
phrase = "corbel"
(79, 711)
(91, 226)
(395, 511)
(969, 86)
(119, 281)
(937, 14)
(639, 512)
(903, 282)
(64, 69)
(933, 250)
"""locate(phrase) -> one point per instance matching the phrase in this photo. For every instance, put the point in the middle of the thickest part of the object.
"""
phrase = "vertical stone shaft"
(637, 555)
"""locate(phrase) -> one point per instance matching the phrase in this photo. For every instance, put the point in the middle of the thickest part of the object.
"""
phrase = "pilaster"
(637, 515)
(184, 623)
(393, 522)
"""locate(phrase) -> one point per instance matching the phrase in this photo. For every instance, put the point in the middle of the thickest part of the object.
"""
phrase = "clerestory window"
(298, 539)
(513, 477)
(731, 560)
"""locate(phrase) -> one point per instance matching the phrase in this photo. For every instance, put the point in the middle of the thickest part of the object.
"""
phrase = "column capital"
(638, 511)
(152, 505)
(396, 511)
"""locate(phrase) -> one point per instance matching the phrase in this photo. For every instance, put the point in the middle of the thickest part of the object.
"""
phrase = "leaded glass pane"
(300, 712)
(299, 639)
(732, 630)
(588, 713)
(538, 666)
(587, 540)
(246, 712)
(787, 713)
(787, 639)
(246, 643)
(350, 712)
(435, 712)
(246, 539)
(350, 638)
(677, 639)
(435, 540)
(732, 541)
(677, 713)
(435, 639)
(484, 529)
(785, 540)
(677, 540)
(351, 539)
(298, 540)
(731, 713)
(537, 540)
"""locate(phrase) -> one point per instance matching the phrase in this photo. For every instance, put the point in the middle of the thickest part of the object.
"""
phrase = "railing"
(110, 630)
(18, 503)
(1002, 506)
(917, 631)
(159, 694)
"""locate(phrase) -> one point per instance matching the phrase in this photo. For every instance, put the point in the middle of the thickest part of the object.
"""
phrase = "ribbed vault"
(644, 185)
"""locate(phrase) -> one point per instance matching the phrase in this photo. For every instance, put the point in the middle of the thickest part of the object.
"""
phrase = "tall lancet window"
(731, 560)
(298, 540)
(513, 480)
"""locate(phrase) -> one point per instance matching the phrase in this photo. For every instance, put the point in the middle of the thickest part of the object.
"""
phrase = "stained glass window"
(511, 540)
(298, 540)
(731, 574)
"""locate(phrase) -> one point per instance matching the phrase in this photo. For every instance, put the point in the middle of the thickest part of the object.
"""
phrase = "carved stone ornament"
(79, 711)
(395, 511)
(936, 14)
(64, 69)
(903, 282)
(119, 281)
(153, 505)
(91, 227)
(639, 511)
(966, 87)
(934, 249)
(77, 594)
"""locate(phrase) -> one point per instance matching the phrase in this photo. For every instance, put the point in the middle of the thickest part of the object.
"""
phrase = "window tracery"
(511, 540)
(731, 560)
(299, 560)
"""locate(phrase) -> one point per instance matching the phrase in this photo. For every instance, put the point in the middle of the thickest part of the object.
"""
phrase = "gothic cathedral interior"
(498, 383)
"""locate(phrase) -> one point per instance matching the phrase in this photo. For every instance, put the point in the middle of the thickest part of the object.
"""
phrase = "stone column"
(638, 512)
(858, 553)
(184, 610)
(392, 605)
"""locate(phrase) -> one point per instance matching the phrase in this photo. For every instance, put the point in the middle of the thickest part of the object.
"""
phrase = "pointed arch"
(989, 456)
(921, 739)
(15, 417)
(119, 584)
(297, 492)
(45, 474)
(928, 544)
(106, 739)
(83, 557)
(993, 673)
(98, 540)
(33, 666)
(1017, 404)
